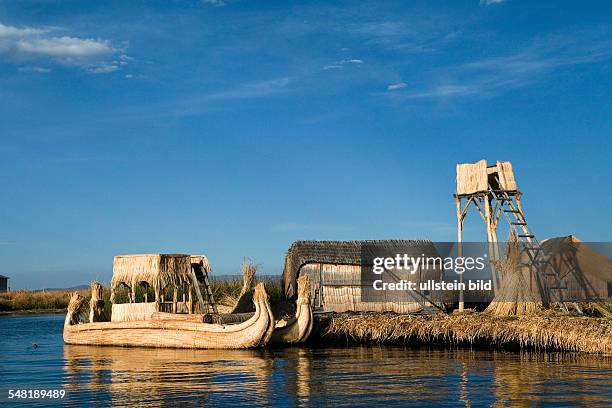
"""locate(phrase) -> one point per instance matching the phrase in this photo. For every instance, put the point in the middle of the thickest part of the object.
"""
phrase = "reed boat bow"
(297, 329)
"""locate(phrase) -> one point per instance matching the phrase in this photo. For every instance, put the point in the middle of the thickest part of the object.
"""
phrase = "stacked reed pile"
(517, 295)
(541, 332)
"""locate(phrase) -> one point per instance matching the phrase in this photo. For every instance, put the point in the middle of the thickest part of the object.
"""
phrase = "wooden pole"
(196, 287)
(460, 246)
(174, 298)
(490, 239)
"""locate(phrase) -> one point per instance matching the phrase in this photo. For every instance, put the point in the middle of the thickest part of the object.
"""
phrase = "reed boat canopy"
(157, 270)
(301, 253)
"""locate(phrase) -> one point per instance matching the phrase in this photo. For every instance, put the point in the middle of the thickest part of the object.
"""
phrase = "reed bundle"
(96, 303)
(543, 332)
(517, 295)
(75, 307)
(244, 302)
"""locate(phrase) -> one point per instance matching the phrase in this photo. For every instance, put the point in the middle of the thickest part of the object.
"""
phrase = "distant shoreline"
(31, 312)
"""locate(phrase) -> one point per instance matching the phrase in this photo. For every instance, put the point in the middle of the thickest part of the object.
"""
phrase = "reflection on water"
(157, 376)
(347, 376)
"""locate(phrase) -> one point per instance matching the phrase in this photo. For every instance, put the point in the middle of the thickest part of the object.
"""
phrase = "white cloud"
(8, 31)
(61, 47)
(394, 87)
(35, 44)
(490, 2)
(342, 63)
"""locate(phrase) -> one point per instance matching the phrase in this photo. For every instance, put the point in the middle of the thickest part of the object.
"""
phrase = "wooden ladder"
(208, 296)
(548, 278)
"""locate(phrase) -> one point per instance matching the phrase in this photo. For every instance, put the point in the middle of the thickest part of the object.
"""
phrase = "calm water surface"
(347, 376)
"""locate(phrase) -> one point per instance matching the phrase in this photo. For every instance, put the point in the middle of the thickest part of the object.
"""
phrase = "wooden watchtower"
(492, 190)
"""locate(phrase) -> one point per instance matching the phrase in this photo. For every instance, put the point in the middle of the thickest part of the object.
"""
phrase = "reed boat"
(296, 329)
(160, 323)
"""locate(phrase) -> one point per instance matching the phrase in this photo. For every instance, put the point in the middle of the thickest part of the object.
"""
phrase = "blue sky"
(233, 128)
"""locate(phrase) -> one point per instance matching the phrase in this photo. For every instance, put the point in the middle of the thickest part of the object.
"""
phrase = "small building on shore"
(3, 283)
(337, 280)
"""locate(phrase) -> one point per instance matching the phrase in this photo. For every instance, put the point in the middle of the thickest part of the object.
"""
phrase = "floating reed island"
(540, 296)
(546, 332)
(516, 317)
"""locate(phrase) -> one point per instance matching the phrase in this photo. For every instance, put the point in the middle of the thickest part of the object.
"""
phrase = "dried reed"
(544, 332)
(516, 295)
(26, 300)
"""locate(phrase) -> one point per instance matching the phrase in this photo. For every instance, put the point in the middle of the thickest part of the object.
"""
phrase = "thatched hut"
(335, 272)
(586, 274)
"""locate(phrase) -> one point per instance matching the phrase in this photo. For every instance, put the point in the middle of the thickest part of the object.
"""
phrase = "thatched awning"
(158, 270)
(301, 253)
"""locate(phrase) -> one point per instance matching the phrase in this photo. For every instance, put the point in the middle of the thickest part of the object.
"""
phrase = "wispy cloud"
(27, 44)
(490, 2)
(342, 63)
(216, 3)
(399, 85)
(489, 76)
(38, 70)
(254, 89)
(426, 35)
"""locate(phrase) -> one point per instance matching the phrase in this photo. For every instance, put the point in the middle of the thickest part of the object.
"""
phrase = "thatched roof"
(474, 177)
(158, 270)
(586, 271)
(200, 266)
(202, 261)
(301, 253)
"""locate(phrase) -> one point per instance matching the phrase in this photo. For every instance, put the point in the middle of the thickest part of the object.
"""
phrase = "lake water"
(349, 376)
